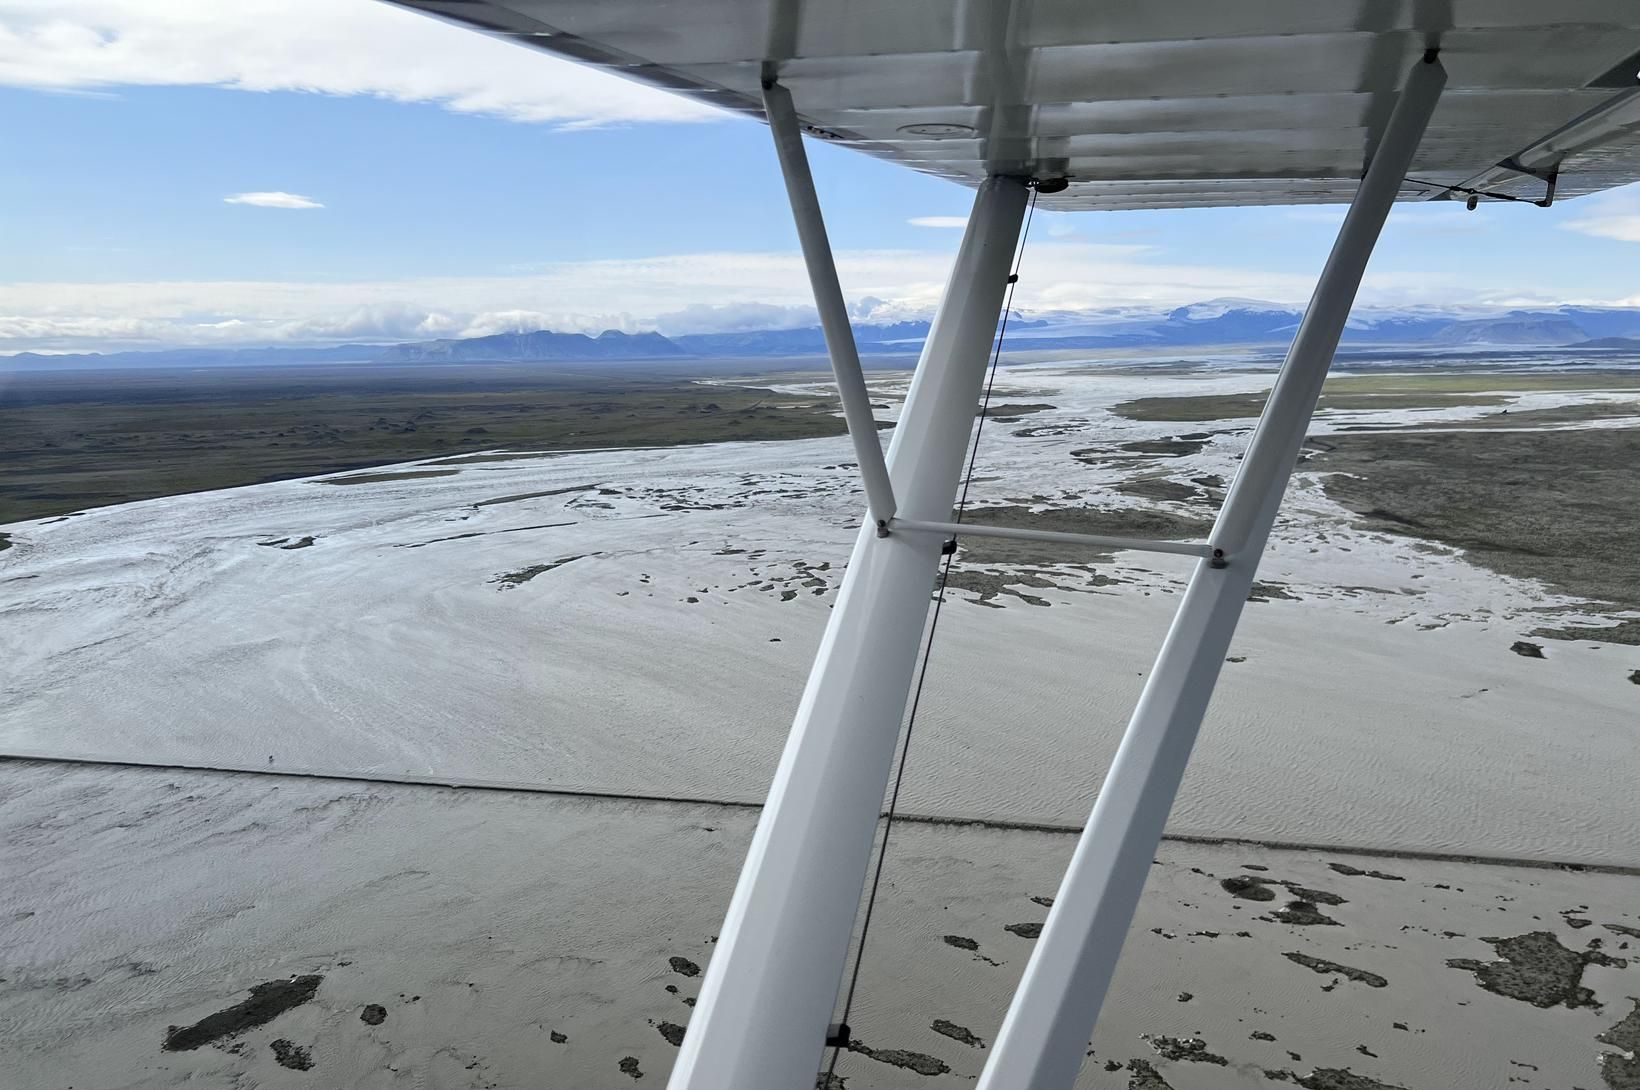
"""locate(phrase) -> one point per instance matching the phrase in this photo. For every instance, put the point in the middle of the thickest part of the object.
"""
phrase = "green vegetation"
(77, 439)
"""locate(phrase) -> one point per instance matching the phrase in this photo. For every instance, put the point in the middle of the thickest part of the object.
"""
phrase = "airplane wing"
(1097, 104)
(1167, 104)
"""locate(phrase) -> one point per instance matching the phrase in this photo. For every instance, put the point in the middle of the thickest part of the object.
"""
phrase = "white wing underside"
(1163, 104)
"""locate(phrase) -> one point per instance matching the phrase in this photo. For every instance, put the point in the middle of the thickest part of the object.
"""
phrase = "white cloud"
(735, 318)
(1614, 214)
(336, 47)
(680, 293)
(938, 221)
(1622, 228)
(274, 199)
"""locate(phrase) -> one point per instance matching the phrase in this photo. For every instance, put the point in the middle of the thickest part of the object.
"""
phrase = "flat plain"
(1403, 857)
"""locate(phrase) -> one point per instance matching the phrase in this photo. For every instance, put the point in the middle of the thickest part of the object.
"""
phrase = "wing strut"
(761, 1017)
(828, 299)
(1044, 1038)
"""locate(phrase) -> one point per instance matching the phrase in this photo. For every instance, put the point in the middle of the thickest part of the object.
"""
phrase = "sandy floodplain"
(423, 936)
(639, 622)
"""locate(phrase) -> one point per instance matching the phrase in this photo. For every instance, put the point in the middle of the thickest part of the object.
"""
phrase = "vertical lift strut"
(1045, 1034)
(760, 1020)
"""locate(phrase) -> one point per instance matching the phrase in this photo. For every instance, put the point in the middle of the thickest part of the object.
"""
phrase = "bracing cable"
(927, 653)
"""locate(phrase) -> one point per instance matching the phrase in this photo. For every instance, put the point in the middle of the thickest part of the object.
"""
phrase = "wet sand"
(639, 622)
(396, 935)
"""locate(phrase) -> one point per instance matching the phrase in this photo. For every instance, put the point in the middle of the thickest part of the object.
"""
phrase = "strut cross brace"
(1100, 541)
(828, 300)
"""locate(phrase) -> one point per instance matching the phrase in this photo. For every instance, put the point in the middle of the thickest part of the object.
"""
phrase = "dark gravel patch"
(1160, 488)
(1625, 1034)
(1271, 592)
(1007, 411)
(293, 1056)
(1303, 914)
(1357, 872)
(1127, 522)
(1555, 506)
(1144, 1077)
(956, 1033)
(1248, 888)
(1191, 1049)
(267, 1001)
(1534, 968)
(511, 579)
(920, 1062)
(1339, 1078)
(1321, 965)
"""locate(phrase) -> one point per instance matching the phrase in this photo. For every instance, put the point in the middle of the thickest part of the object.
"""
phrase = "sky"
(315, 171)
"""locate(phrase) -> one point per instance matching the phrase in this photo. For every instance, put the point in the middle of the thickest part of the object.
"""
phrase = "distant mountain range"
(540, 346)
(1226, 322)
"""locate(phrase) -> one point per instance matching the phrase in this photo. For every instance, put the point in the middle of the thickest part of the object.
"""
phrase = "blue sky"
(465, 186)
